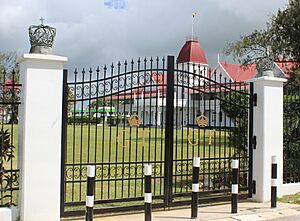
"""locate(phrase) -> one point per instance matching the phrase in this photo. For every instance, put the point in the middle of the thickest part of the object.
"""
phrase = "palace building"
(148, 101)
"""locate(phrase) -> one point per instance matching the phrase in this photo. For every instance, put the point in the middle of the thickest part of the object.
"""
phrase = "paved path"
(248, 211)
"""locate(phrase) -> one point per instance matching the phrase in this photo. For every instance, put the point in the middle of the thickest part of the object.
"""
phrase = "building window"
(213, 119)
(220, 116)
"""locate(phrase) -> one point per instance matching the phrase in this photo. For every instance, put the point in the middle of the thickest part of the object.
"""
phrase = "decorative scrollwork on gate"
(111, 171)
(9, 181)
(207, 166)
(188, 79)
(113, 84)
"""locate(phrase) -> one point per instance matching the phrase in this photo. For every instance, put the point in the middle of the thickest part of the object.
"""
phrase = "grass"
(294, 199)
(118, 144)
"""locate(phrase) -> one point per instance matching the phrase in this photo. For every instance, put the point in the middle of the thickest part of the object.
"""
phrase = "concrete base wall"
(291, 188)
(9, 214)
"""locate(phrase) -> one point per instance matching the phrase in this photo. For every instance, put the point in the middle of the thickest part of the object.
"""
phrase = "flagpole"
(193, 16)
(193, 27)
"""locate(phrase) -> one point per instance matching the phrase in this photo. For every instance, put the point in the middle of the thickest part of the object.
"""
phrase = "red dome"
(191, 52)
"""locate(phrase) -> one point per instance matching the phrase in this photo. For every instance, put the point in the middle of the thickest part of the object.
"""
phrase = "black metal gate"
(291, 130)
(153, 112)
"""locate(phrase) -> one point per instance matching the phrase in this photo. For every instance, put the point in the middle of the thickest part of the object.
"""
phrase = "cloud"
(90, 33)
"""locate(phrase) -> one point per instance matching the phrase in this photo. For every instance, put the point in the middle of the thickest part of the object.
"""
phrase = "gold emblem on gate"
(134, 120)
(191, 134)
(202, 121)
(122, 135)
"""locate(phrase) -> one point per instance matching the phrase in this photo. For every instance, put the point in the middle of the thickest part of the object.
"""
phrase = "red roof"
(286, 66)
(239, 72)
(191, 52)
(9, 84)
(242, 73)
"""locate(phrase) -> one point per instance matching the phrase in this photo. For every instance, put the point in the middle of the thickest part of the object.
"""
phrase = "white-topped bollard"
(90, 193)
(5, 214)
(274, 182)
(148, 194)
(39, 156)
(235, 186)
(195, 187)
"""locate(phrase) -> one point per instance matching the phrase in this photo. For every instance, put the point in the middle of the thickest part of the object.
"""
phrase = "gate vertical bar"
(63, 139)
(169, 132)
(250, 124)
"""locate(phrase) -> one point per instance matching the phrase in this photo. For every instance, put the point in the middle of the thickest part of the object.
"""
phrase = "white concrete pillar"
(40, 122)
(268, 129)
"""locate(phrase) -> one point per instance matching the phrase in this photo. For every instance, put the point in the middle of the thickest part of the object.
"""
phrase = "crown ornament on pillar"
(266, 65)
(41, 38)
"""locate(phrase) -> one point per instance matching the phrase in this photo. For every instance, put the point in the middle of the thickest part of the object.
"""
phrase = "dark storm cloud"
(91, 34)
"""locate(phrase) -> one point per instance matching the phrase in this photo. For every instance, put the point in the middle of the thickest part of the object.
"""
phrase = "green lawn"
(88, 144)
(294, 198)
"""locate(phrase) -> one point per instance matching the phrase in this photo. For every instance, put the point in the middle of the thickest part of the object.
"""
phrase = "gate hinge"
(255, 99)
(254, 142)
(254, 187)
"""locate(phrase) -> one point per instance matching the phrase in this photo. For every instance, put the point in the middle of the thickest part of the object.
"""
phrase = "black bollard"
(235, 186)
(148, 194)
(195, 187)
(274, 183)
(90, 193)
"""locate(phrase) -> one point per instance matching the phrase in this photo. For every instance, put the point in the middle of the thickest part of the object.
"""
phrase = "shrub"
(7, 177)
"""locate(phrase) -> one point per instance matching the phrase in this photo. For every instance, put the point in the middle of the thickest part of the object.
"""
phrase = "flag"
(194, 14)
(116, 4)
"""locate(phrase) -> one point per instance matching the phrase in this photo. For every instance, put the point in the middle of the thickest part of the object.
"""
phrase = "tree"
(9, 90)
(71, 99)
(8, 64)
(235, 105)
(291, 132)
(7, 177)
(281, 38)
(105, 101)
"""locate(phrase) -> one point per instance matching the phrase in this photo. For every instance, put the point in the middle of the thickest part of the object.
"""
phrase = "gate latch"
(254, 187)
(254, 142)
(255, 100)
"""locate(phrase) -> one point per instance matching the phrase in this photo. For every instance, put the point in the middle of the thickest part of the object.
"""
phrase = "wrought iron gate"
(154, 112)
(291, 130)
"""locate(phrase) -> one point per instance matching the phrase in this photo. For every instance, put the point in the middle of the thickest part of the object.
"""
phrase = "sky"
(98, 32)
